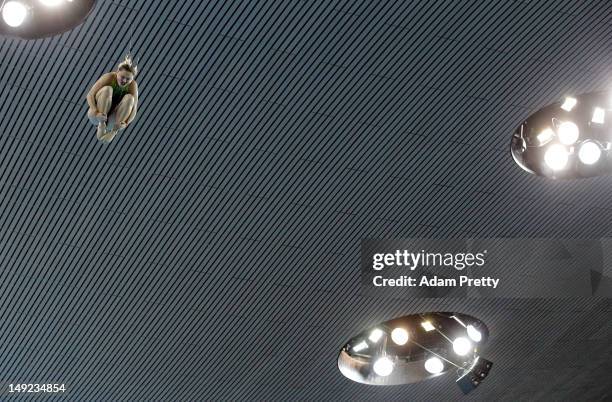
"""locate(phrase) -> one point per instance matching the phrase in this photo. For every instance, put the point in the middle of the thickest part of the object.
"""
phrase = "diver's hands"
(101, 117)
(122, 126)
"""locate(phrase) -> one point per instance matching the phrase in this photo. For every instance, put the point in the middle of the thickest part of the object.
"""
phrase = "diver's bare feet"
(101, 117)
(108, 136)
(101, 130)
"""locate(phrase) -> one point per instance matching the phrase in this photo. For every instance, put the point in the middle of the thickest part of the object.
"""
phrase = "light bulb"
(383, 366)
(568, 132)
(14, 13)
(434, 365)
(589, 153)
(473, 333)
(462, 346)
(599, 115)
(545, 135)
(569, 103)
(556, 157)
(399, 336)
(375, 335)
(360, 346)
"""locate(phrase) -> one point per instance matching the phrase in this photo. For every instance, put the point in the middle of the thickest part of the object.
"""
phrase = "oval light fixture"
(414, 348)
(569, 139)
(35, 19)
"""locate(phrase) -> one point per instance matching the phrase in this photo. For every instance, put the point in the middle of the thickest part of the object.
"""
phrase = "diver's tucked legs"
(122, 112)
(124, 109)
(104, 99)
(120, 115)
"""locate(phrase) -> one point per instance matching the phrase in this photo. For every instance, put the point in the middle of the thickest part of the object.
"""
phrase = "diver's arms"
(105, 80)
(134, 93)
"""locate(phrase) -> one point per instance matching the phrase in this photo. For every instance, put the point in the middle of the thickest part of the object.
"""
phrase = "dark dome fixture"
(569, 139)
(417, 347)
(35, 19)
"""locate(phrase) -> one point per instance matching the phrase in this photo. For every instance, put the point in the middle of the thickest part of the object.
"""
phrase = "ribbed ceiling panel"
(211, 252)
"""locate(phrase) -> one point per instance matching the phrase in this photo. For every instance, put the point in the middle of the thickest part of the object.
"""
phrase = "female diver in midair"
(113, 101)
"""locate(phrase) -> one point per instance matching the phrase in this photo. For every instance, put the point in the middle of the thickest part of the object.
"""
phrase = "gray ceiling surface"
(211, 252)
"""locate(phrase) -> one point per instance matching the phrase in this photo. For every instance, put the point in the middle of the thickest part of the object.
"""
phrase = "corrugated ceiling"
(211, 252)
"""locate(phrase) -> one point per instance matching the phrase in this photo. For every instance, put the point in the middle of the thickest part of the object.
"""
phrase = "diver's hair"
(128, 65)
